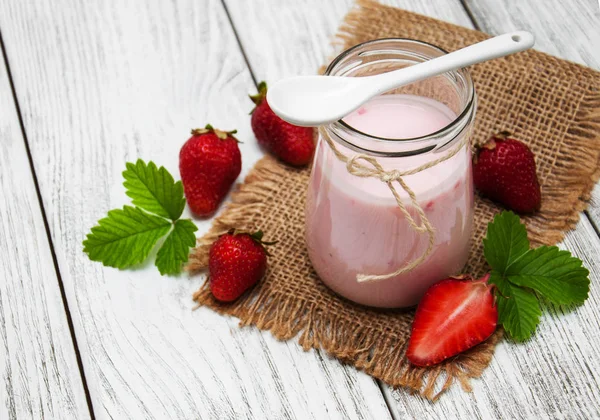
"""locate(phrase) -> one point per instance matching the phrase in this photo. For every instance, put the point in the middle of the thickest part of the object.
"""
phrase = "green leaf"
(176, 248)
(555, 274)
(518, 308)
(519, 272)
(505, 242)
(125, 237)
(154, 189)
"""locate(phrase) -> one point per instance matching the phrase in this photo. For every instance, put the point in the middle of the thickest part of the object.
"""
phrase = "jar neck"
(382, 147)
(454, 90)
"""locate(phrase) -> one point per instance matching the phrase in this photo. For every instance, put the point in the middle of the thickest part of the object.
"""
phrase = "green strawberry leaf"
(518, 308)
(154, 189)
(505, 242)
(555, 274)
(176, 248)
(518, 271)
(125, 238)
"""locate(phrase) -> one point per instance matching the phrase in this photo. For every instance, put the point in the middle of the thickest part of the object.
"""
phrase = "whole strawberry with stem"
(236, 262)
(504, 170)
(290, 143)
(209, 163)
(454, 315)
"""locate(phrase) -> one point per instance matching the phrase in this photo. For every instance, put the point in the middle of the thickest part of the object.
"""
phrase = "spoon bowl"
(304, 100)
(316, 100)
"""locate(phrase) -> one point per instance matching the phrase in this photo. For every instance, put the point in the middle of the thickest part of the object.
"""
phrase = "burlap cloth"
(550, 104)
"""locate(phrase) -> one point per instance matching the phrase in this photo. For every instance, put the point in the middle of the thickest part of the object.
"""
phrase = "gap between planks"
(592, 222)
(469, 14)
(239, 43)
(47, 229)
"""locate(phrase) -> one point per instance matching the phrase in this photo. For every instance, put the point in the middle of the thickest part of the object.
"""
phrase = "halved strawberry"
(454, 315)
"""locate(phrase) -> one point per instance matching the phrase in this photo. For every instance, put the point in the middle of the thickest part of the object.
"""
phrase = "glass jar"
(354, 225)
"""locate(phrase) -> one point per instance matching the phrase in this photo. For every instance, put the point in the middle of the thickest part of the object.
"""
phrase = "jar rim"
(465, 114)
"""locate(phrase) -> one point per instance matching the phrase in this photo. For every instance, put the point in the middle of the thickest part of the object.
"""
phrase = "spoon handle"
(498, 46)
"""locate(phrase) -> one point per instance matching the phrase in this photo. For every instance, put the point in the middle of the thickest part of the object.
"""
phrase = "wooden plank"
(304, 31)
(105, 83)
(38, 365)
(552, 375)
(570, 30)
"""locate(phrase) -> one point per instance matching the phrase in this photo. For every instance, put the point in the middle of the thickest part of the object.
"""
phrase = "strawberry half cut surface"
(454, 315)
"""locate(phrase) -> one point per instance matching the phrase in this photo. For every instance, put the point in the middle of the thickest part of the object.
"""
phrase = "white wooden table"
(87, 86)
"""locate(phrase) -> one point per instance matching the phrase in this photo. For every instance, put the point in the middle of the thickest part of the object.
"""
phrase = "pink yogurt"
(353, 225)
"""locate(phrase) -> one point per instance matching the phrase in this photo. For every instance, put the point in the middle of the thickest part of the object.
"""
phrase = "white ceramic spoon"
(316, 100)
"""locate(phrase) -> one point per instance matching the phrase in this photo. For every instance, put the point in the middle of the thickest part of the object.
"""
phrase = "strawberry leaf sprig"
(127, 236)
(523, 276)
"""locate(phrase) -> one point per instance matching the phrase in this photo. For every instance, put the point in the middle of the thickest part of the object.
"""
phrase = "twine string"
(364, 166)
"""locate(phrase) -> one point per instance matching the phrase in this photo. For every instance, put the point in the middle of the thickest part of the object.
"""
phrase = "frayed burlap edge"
(373, 351)
(580, 163)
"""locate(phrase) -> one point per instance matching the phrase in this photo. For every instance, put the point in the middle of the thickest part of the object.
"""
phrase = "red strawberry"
(209, 163)
(290, 143)
(504, 171)
(454, 315)
(236, 262)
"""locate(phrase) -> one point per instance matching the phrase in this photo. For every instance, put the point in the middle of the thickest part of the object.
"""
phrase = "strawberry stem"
(260, 96)
(256, 237)
(497, 291)
(223, 135)
(494, 287)
(503, 135)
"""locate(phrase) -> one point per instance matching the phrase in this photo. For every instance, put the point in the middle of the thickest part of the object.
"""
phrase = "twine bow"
(365, 166)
